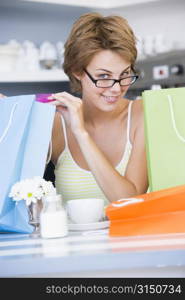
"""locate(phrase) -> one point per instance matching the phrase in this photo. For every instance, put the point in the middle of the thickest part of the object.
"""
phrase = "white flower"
(32, 190)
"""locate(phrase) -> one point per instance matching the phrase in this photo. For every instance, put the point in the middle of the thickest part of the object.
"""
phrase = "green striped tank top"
(74, 182)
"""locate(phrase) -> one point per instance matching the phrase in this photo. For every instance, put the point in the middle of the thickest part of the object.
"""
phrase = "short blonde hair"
(92, 33)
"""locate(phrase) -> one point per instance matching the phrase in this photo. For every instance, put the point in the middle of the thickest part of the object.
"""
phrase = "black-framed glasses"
(106, 83)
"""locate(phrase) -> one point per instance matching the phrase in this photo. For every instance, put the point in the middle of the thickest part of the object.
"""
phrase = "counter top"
(92, 254)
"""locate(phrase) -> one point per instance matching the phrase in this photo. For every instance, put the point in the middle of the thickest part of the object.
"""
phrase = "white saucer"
(89, 226)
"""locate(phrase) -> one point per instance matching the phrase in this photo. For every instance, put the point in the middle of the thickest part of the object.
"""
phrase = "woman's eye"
(126, 74)
(103, 76)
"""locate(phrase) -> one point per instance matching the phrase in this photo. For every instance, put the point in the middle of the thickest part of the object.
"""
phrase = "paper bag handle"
(9, 122)
(5, 132)
(127, 201)
(180, 137)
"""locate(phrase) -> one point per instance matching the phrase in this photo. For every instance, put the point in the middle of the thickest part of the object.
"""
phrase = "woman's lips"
(110, 99)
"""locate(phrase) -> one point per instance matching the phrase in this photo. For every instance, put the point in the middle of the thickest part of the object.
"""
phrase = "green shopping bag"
(164, 113)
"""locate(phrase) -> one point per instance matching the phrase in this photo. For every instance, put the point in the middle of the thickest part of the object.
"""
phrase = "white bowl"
(83, 211)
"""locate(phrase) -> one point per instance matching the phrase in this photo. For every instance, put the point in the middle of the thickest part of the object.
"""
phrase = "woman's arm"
(114, 185)
(58, 143)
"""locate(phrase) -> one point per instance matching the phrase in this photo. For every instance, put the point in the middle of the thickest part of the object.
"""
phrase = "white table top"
(92, 254)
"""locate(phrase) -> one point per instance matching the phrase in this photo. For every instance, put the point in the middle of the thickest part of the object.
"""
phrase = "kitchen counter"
(92, 254)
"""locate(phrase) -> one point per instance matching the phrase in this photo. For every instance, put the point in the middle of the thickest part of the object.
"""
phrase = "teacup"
(83, 211)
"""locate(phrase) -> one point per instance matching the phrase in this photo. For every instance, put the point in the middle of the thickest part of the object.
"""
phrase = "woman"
(98, 138)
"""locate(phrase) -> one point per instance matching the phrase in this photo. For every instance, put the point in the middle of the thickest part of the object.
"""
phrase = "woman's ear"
(78, 76)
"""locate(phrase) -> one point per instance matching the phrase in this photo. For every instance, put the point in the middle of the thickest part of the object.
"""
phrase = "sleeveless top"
(74, 182)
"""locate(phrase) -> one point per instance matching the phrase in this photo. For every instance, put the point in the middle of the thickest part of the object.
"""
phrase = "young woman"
(98, 137)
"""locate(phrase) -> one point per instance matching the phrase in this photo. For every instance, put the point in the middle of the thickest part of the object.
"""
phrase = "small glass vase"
(34, 210)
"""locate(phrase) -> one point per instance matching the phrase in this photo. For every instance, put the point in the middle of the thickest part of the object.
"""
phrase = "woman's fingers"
(2, 96)
(66, 100)
(64, 95)
(71, 108)
(58, 103)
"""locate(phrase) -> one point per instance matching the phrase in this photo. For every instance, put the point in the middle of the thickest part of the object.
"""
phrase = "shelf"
(162, 56)
(34, 76)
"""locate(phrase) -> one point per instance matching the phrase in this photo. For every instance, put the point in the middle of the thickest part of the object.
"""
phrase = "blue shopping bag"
(25, 134)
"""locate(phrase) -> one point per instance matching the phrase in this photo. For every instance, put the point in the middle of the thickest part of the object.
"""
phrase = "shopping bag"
(165, 137)
(25, 134)
(158, 212)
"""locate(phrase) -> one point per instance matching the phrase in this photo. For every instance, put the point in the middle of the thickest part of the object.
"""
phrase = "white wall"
(35, 21)
(165, 16)
(43, 21)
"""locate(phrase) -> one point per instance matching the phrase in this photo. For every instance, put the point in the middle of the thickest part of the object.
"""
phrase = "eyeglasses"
(106, 83)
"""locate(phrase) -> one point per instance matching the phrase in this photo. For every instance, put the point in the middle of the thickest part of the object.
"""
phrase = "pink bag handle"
(43, 98)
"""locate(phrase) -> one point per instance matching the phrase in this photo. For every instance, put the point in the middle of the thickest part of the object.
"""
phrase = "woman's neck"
(95, 116)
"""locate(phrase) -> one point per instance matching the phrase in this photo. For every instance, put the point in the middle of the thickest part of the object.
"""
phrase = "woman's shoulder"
(137, 108)
(57, 121)
(138, 103)
(58, 129)
(137, 114)
(57, 137)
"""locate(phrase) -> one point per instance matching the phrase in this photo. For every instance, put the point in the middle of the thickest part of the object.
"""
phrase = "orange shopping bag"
(152, 213)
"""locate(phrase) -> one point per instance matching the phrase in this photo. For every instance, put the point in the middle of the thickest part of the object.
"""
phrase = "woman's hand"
(2, 96)
(71, 108)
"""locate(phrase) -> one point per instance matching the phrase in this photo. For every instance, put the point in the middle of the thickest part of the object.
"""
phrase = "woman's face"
(105, 65)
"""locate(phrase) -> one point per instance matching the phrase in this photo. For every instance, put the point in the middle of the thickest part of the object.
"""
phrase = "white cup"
(83, 211)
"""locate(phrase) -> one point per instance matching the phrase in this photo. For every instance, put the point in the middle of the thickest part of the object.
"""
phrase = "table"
(92, 254)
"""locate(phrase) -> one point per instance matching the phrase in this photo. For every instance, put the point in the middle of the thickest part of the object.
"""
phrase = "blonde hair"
(92, 33)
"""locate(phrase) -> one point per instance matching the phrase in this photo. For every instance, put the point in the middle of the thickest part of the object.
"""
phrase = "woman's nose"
(116, 87)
